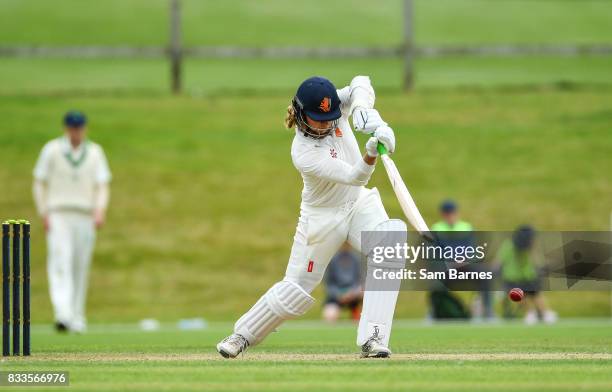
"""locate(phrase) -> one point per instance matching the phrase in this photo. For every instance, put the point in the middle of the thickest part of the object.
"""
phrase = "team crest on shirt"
(338, 132)
(333, 153)
(325, 104)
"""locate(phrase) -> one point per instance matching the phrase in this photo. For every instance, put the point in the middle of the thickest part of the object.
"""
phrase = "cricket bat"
(401, 192)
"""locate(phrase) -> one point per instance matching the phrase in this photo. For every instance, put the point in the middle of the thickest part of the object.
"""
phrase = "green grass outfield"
(204, 191)
(319, 22)
(310, 356)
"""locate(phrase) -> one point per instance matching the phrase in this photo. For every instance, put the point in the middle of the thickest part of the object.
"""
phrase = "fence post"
(408, 46)
(175, 50)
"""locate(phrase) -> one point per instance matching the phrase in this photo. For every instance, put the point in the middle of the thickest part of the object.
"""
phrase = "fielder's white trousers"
(70, 243)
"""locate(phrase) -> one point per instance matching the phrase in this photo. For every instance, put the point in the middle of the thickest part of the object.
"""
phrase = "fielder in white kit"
(71, 191)
(335, 207)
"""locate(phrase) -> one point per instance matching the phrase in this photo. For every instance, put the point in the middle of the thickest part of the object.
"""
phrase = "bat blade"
(403, 196)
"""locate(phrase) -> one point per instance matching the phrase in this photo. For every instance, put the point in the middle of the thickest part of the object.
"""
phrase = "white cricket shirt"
(71, 175)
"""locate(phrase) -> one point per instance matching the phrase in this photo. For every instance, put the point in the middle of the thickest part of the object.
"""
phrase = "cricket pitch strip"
(284, 357)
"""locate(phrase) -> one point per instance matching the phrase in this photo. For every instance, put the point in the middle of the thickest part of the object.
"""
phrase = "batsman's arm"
(321, 164)
(359, 93)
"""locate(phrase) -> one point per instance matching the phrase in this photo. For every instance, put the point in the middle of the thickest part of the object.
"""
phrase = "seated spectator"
(343, 285)
(452, 231)
(518, 269)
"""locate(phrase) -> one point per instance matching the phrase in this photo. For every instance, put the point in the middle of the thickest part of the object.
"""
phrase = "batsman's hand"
(384, 134)
(367, 120)
(372, 147)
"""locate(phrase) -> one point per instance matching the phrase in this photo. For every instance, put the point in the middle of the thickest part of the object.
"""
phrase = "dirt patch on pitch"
(279, 357)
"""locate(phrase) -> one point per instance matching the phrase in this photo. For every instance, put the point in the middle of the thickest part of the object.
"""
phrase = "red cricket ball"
(516, 294)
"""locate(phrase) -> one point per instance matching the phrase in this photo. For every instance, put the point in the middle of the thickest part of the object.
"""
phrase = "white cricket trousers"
(320, 233)
(70, 243)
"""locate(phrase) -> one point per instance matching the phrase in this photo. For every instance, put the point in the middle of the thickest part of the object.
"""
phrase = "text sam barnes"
(424, 274)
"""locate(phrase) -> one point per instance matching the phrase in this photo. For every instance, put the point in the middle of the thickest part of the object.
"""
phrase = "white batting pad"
(380, 297)
(283, 301)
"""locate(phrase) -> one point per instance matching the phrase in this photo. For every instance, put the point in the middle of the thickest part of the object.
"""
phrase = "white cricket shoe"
(78, 327)
(374, 348)
(550, 317)
(232, 345)
(531, 318)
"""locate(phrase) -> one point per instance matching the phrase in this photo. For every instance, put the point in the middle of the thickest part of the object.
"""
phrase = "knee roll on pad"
(283, 301)
(392, 225)
(288, 299)
(392, 232)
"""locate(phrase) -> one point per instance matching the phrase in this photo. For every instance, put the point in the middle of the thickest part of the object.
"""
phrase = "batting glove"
(372, 147)
(367, 120)
(385, 135)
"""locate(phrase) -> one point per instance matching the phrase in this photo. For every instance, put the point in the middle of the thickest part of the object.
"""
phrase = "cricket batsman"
(336, 207)
(71, 192)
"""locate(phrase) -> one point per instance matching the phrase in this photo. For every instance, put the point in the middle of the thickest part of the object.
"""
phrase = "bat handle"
(381, 149)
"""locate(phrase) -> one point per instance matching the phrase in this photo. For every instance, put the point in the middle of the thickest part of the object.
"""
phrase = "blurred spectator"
(518, 269)
(343, 285)
(450, 218)
(451, 223)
